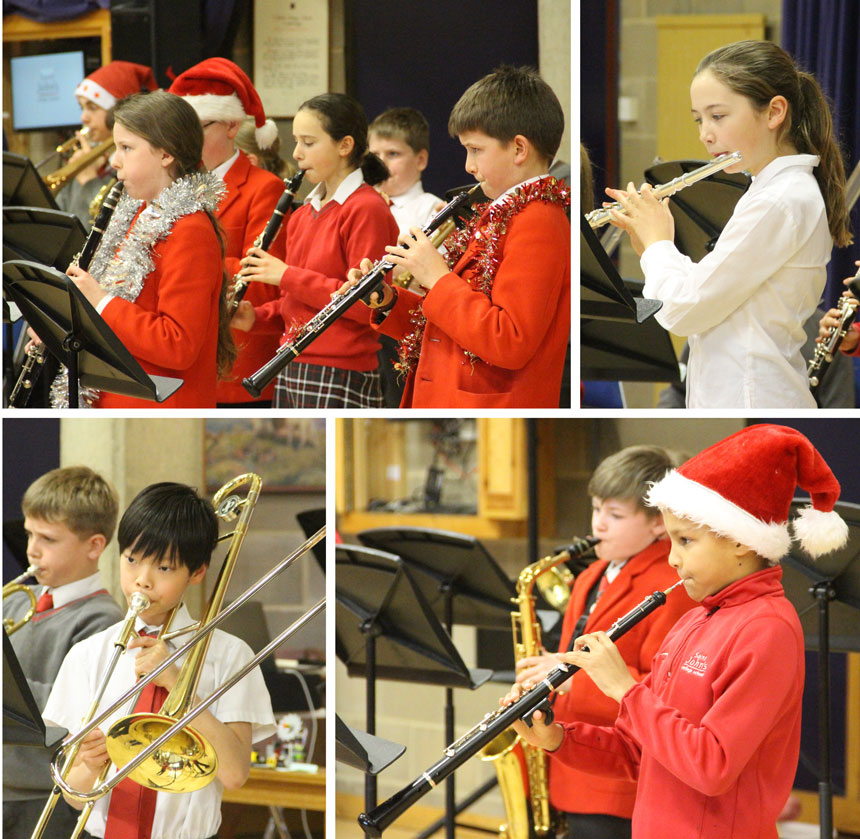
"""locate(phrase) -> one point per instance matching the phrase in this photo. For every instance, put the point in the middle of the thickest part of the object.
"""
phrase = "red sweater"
(571, 789)
(321, 247)
(520, 332)
(252, 194)
(171, 329)
(713, 733)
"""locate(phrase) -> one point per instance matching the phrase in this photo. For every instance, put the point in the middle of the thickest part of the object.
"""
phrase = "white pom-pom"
(819, 532)
(266, 134)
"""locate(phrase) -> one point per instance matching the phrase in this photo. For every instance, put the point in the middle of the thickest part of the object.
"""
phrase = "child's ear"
(345, 145)
(422, 157)
(95, 545)
(197, 576)
(166, 159)
(232, 128)
(658, 527)
(777, 111)
(522, 148)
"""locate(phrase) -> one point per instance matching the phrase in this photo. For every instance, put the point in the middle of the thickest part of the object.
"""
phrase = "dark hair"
(405, 124)
(166, 121)
(627, 475)
(760, 70)
(511, 101)
(170, 521)
(586, 181)
(341, 116)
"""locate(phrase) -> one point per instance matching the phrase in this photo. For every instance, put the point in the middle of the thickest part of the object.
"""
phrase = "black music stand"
(386, 629)
(22, 184)
(702, 209)
(363, 751)
(50, 237)
(826, 594)
(310, 522)
(463, 584)
(73, 332)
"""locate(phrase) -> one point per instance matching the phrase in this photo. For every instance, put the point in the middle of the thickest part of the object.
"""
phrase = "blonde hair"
(269, 159)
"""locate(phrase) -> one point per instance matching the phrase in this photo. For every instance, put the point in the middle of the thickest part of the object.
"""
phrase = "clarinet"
(825, 351)
(598, 218)
(341, 301)
(37, 353)
(378, 819)
(282, 209)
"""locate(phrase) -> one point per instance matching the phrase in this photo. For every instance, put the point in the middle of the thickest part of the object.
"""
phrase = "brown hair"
(404, 124)
(166, 121)
(75, 496)
(760, 70)
(511, 101)
(270, 158)
(627, 475)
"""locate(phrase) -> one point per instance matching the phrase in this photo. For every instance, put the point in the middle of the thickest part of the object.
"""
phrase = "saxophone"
(526, 798)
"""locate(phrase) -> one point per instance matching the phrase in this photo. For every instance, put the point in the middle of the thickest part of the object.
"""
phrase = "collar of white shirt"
(414, 191)
(508, 192)
(783, 162)
(180, 621)
(63, 595)
(346, 187)
(224, 168)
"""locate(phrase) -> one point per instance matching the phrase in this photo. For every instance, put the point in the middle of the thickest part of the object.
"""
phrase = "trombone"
(13, 586)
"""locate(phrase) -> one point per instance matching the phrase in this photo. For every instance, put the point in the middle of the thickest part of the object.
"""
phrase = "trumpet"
(602, 215)
(342, 300)
(493, 724)
(55, 181)
(69, 145)
(825, 351)
(13, 586)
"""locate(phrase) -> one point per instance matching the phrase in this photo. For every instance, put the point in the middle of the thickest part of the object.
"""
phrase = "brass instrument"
(825, 351)
(13, 586)
(601, 216)
(527, 808)
(160, 760)
(404, 280)
(55, 181)
(99, 199)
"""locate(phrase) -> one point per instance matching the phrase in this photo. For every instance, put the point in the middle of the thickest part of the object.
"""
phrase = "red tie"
(132, 806)
(602, 585)
(45, 602)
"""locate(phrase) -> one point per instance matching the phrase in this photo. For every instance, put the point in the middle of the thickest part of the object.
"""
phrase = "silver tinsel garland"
(124, 257)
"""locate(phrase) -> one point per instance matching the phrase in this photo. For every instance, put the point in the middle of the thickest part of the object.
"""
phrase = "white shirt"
(195, 815)
(63, 595)
(413, 208)
(222, 169)
(743, 305)
(344, 189)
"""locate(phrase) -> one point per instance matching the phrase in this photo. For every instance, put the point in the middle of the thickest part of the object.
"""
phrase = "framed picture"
(287, 453)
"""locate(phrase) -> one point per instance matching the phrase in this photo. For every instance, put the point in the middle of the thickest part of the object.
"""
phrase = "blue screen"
(43, 90)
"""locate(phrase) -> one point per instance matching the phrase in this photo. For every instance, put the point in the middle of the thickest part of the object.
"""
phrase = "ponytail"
(373, 169)
(227, 351)
(760, 70)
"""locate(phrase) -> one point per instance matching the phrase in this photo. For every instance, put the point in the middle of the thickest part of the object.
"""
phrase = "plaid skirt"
(316, 386)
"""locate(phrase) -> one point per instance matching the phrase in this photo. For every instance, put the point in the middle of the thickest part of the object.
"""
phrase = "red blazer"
(520, 332)
(172, 327)
(252, 194)
(573, 790)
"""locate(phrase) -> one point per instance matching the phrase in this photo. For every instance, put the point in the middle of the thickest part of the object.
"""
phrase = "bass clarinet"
(601, 216)
(37, 353)
(264, 241)
(378, 819)
(826, 350)
(341, 301)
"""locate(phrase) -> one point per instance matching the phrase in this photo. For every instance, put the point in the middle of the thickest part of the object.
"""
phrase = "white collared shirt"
(63, 595)
(508, 192)
(743, 305)
(413, 208)
(224, 167)
(344, 189)
(194, 815)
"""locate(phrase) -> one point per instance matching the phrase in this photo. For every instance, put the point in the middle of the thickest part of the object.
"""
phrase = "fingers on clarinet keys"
(546, 709)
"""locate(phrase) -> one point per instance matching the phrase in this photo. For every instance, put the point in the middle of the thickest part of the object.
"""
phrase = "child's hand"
(152, 652)
(602, 662)
(378, 298)
(540, 734)
(261, 267)
(645, 219)
(91, 171)
(87, 284)
(93, 751)
(244, 317)
(419, 257)
(533, 668)
(830, 321)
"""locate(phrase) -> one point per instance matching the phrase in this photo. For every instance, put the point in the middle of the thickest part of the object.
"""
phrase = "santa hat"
(107, 85)
(218, 89)
(742, 488)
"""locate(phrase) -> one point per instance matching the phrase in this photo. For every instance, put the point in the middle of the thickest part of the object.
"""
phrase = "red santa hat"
(107, 85)
(742, 488)
(218, 89)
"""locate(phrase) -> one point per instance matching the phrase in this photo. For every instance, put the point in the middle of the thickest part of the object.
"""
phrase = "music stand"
(75, 334)
(386, 629)
(50, 237)
(826, 594)
(22, 184)
(363, 751)
(310, 522)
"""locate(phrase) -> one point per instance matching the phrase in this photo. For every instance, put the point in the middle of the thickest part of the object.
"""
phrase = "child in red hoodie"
(713, 733)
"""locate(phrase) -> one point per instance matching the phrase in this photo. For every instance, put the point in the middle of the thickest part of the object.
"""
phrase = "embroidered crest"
(696, 664)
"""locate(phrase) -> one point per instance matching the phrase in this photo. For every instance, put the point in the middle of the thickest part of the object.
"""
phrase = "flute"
(341, 301)
(601, 216)
(265, 239)
(37, 353)
(378, 819)
(825, 351)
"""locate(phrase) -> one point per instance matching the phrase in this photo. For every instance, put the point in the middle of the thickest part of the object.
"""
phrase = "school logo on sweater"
(696, 664)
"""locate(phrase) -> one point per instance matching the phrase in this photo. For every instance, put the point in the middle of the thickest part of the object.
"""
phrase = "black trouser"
(20, 817)
(597, 826)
